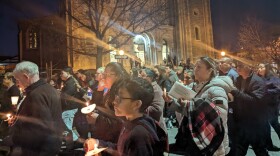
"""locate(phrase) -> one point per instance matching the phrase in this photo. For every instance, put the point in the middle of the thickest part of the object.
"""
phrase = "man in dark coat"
(248, 112)
(37, 125)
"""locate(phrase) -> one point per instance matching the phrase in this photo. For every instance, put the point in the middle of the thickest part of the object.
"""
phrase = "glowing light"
(209, 48)
(9, 116)
(223, 53)
(14, 100)
(121, 52)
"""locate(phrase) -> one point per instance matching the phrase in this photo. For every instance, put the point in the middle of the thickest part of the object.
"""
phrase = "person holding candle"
(37, 126)
(105, 125)
(138, 136)
(12, 90)
(6, 104)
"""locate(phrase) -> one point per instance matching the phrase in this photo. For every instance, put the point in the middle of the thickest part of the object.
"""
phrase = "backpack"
(162, 145)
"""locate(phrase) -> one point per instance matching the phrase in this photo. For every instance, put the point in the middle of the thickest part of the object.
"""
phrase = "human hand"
(90, 144)
(167, 98)
(11, 120)
(230, 97)
(183, 102)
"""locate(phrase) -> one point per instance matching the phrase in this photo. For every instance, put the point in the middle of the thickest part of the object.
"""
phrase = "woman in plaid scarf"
(207, 86)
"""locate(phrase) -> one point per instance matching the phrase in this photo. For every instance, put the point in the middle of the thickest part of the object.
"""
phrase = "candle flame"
(9, 116)
(87, 103)
(95, 146)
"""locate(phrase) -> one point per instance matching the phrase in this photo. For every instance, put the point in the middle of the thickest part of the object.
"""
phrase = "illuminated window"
(32, 42)
(197, 33)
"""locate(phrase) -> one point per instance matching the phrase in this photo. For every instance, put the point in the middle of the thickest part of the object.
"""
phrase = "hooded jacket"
(135, 139)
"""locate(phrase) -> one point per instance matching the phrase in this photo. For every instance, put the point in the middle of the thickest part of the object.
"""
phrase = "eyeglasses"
(119, 99)
(108, 74)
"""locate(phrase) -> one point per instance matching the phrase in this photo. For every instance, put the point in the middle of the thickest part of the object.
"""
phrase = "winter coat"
(39, 126)
(102, 129)
(6, 103)
(155, 110)
(216, 90)
(272, 93)
(164, 82)
(135, 139)
(69, 93)
(251, 98)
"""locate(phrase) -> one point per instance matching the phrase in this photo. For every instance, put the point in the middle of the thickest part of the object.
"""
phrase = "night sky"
(226, 18)
(13, 10)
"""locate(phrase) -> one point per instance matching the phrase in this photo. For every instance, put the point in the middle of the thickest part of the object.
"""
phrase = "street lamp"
(121, 52)
(223, 53)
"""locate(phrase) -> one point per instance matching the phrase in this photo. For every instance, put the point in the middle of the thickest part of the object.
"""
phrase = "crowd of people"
(235, 105)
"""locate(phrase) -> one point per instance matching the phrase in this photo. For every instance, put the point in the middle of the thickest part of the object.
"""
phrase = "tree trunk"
(99, 57)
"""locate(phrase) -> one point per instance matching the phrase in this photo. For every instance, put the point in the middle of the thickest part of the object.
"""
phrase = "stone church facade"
(187, 34)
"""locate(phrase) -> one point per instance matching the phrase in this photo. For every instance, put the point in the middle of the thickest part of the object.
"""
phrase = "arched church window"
(165, 51)
(197, 33)
(32, 38)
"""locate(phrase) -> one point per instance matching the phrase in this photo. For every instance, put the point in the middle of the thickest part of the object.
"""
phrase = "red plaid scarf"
(205, 124)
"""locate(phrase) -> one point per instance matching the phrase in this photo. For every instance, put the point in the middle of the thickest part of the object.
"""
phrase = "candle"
(88, 109)
(95, 147)
(9, 116)
(14, 100)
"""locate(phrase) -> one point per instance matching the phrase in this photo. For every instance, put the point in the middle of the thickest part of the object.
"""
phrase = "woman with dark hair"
(139, 135)
(206, 86)
(105, 125)
(272, 99)
(165, 84)
(155, 110)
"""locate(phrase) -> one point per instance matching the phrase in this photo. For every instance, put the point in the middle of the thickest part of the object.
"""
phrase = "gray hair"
(27, 67)
(101, 70)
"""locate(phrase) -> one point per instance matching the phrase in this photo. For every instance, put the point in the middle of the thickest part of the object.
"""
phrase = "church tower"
(193, 29)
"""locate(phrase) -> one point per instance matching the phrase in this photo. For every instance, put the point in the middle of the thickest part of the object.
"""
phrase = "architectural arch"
(197, 33)
(144, 48)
